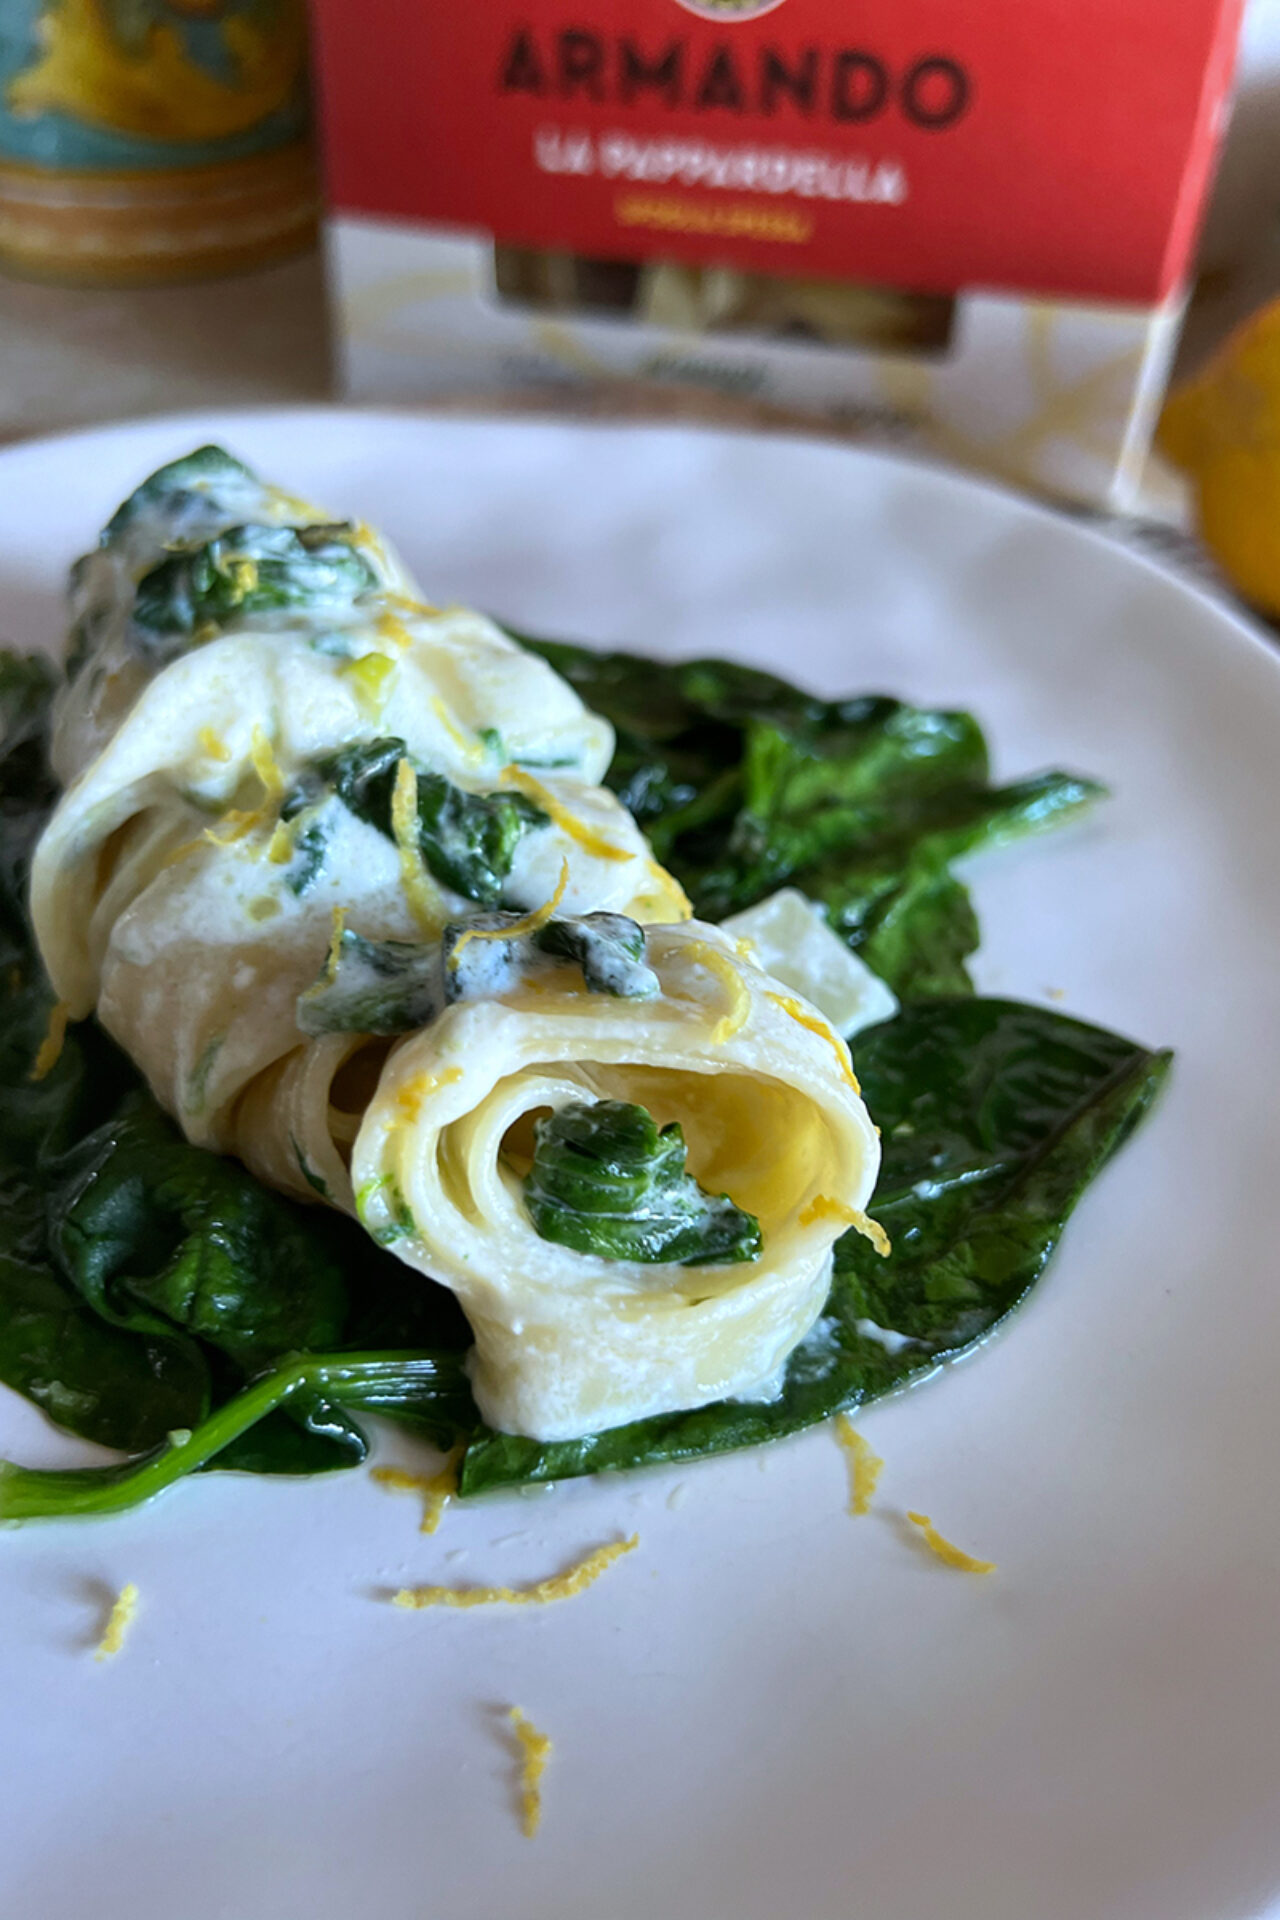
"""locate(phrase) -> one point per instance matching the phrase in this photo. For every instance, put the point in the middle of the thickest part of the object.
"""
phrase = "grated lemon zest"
(952, 1556)
(293, 504)
(363, 535)
(368, 677)
(419, 888)
(50, 1049)
(535, 1750)
(865, 1465)
(409, 605)
(214, 745)
(118, 1622)
(437, 1489)
(470, 749)
(518, 928)
(280, 846)
(337, 928)
(561, 1586)
(411, 1095)
(670, 892)
(747, 951)
(734, 985)
(389, 628)
(239, 820)
(588, 837)
(812, 1024)
(265, 764)
(824, 1208)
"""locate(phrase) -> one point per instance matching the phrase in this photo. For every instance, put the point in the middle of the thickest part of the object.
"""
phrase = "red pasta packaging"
(964, 227)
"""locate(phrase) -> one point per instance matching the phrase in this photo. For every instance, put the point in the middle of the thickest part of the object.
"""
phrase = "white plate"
(770, 1709)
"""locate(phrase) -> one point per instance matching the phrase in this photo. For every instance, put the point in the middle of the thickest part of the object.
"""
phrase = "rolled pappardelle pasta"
(335, 867)
(461, 1167)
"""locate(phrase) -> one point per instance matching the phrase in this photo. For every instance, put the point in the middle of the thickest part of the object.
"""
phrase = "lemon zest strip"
(437, 1489)
(118, 1622)
(470, 749)
(239, 820)
(213, 744)
(812, 1024)
(367, 678)
(409, 605)
(419, 888)
(824, 1208)
(560, 1586)
(731, 980)
(950, 1555)
(588, 837)
(518, 928)
(535, 1750)
(389, 628)
(50, 1049)
(865, 1465)
(265, 764)
(411, 1095)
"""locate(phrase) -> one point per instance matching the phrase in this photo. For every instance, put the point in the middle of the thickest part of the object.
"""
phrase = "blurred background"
(162, 247)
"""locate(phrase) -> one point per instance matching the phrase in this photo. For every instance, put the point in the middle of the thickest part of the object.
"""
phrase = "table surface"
(71, 356)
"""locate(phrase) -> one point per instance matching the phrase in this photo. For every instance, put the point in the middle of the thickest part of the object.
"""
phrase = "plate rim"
(1244, 623)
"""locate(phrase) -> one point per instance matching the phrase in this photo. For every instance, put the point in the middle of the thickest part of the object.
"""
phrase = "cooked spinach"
(27, 786)
(374, 986)
(608, 947)
(745, 784)
(468, 840)
(996, 1116)
(423, 1391)
(310, 851)
(148, 1288)
(605, 1181)
(143, 1279)
(184, 487)
(397, 986)
(247, 570)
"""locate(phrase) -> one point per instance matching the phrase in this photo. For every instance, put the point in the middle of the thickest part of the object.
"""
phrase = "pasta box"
(967, 229)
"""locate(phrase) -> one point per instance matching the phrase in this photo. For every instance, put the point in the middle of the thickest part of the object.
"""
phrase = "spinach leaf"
(247, 570)
(158, 1235)
(995, 1116)
(27, 787)
(745, 784)
(310, 851)
(86, 1376)
(397, 986)
(183, 487)
(608, 947)
(374, 986)
(468, 840)
(426, 1391)
(920, 933)
(605, 1181)
(142, 1278)
(111, 1386)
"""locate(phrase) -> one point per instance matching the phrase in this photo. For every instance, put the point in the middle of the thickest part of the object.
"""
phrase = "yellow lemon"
(1222, 428)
